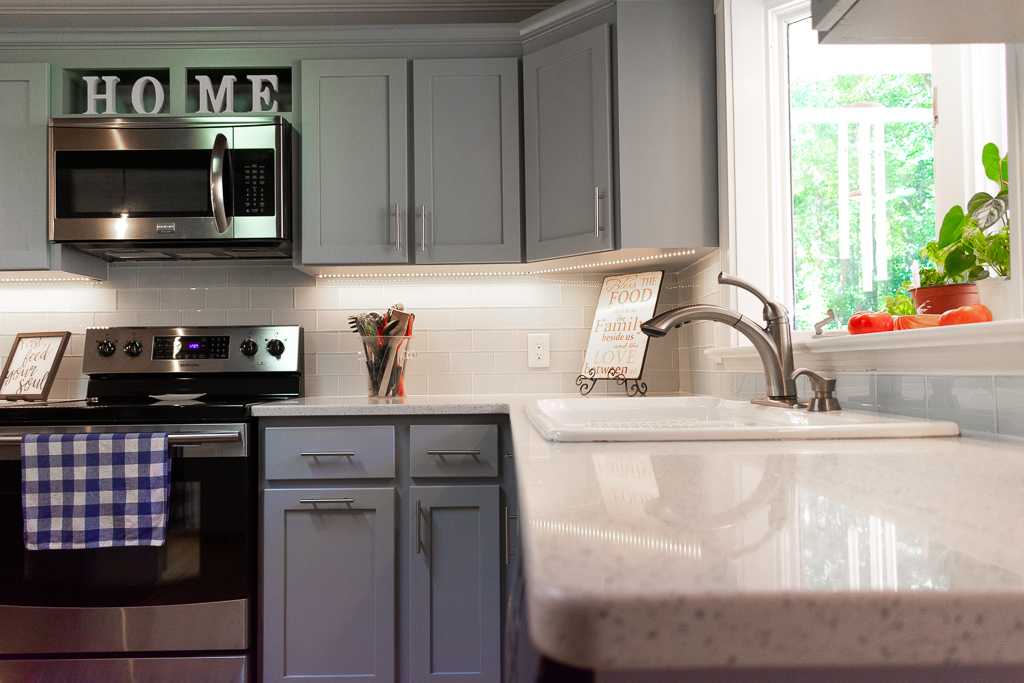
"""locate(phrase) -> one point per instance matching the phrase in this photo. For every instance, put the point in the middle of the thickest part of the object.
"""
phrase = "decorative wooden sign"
(32, 365)
(617, 347)
(211, 100)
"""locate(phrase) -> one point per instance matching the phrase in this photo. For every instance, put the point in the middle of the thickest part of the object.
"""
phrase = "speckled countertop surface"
(716, 554)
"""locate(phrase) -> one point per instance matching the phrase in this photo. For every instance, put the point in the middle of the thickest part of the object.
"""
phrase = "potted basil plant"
(972, 250)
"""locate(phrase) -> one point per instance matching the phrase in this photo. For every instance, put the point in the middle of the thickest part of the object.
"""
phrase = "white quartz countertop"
(716, 554)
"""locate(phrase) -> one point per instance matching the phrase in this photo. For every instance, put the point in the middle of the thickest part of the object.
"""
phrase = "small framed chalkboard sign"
(32, 365)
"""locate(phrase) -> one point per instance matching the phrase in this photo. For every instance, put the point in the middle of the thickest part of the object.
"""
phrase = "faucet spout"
(771, 356)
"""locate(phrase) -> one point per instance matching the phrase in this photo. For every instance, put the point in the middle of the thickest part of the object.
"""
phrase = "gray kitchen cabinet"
(355, 161)
(329, 585)
(24, 111)
(466, 132)
(568, 146)
(455, 584)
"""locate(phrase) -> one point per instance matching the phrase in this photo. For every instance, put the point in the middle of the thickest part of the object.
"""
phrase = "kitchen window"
(840, 160)
(862, 176)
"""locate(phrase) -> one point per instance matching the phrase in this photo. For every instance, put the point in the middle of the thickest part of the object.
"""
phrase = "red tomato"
(975, 313)
(914, 322)
(866, 322)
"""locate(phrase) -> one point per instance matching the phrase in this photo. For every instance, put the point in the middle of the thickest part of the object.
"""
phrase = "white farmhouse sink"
(700, 418)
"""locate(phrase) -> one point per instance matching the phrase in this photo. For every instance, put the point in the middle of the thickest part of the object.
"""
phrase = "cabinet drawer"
(454, 450)
(330, 452)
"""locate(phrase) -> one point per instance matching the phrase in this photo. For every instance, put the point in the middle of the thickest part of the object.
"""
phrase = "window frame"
(755, 31)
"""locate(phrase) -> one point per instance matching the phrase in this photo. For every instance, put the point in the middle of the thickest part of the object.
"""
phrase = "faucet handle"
(824, 389)
(773, 310)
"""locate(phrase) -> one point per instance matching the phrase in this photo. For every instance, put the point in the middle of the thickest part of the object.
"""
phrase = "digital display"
(190, 348)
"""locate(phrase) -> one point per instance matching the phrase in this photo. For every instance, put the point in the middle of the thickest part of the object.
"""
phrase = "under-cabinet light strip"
(513, 273)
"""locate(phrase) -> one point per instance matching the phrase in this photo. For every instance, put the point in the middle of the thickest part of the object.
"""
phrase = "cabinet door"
(567, 114)
(455, 584)
(24, 109)
(329, 585)
(466, 114)
(354, 161)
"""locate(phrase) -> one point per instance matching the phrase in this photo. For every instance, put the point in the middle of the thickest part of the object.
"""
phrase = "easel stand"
(633, 386)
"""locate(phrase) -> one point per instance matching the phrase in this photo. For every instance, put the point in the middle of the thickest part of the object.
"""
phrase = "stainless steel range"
(183, 611)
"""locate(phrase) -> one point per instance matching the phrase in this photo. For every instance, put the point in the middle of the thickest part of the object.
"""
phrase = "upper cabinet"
(919, 21)
(24, 112)
(620, 111)
(568, 146)
(355, 143)
(466, 160)
(355, 157)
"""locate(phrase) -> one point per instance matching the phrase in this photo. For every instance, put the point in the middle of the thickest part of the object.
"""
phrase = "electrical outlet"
(539, 350)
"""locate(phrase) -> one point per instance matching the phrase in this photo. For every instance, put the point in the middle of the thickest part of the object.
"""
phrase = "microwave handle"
(218, 162)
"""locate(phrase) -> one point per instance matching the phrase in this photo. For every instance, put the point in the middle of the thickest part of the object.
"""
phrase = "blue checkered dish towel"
(94, 490)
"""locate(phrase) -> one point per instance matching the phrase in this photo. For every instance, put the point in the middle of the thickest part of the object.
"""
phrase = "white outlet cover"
(538, 350)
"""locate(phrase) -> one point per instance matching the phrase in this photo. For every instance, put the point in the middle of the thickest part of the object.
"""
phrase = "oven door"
(192, 182)
(191, 594)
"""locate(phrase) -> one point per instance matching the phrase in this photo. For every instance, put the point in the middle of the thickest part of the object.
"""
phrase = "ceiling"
(112, 14)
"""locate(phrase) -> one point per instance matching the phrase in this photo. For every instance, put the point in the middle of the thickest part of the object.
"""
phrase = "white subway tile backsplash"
(138, 299)
(227, 297)
(470, 333)
(273, 297)
(206, 316)
(183, 298)
(474, 361)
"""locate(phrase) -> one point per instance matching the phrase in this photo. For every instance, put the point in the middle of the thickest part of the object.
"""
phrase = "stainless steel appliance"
(166, 188)
(183, 611)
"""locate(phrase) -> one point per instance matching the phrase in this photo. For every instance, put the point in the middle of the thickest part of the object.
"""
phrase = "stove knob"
(106, 348)
(133, 348)
(249, 347)
(275, 347)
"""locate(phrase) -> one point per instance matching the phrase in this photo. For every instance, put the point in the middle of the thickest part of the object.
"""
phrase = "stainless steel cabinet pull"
(336, 454)
(440, 455)
(420, 516)
(326, 501)
(423, 227)
(598, 196)
(184, 439)
(398, 228)
(507, 548)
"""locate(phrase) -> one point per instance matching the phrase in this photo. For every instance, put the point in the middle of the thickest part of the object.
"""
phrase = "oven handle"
(182, 439)
(218, 164)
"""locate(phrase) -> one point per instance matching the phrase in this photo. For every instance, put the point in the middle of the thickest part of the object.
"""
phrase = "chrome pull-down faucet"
(773, 343)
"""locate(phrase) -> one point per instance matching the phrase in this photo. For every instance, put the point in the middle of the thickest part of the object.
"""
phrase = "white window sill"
(933, 349)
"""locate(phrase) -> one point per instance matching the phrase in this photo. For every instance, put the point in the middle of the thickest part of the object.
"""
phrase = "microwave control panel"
(254, 182)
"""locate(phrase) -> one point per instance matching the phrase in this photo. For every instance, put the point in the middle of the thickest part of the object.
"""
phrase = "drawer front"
(330, 452)
(454, 450)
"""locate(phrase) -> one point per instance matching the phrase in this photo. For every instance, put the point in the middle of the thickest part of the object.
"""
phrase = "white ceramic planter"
(995, 293)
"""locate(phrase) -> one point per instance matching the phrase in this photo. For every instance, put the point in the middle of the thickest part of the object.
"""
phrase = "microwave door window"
(141, 184)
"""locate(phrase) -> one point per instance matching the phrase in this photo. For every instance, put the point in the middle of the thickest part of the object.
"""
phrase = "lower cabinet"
(389, 567)
(329, 585)
(455, 584)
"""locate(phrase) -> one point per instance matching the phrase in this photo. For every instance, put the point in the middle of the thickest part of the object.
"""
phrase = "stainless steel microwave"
(164, 188)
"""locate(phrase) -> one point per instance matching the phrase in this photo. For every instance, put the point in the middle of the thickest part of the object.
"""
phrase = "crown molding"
(145, 14)
(465, 35)
(557, 16)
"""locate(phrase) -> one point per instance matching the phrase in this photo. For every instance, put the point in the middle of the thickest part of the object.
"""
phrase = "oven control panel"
(191, 348)
(119, 350)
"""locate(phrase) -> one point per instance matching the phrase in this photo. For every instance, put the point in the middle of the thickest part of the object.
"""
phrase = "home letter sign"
(139, 91)
(92, 95)
(211, 102)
